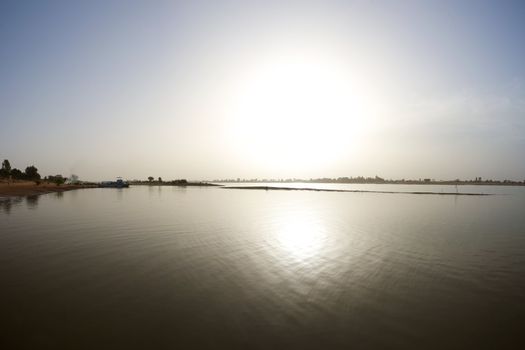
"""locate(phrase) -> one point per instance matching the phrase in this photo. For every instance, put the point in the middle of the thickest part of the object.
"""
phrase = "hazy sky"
(216, 89)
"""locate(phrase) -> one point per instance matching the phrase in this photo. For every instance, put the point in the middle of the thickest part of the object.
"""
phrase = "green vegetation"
(57, 179)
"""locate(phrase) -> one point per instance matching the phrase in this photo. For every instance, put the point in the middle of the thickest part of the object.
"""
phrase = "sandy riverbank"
(30, 188)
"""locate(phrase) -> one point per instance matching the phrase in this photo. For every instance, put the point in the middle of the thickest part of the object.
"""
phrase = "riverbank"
(30, 188)
(172, 183)
(267, 188)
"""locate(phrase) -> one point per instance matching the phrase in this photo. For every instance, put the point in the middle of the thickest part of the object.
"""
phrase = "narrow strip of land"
(173, 183)
(353, 191)
(30, 188)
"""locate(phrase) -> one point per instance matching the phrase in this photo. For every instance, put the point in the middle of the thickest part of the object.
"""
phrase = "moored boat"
(115, 184)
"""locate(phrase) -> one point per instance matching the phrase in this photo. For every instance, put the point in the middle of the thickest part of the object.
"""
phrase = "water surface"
(168, 267)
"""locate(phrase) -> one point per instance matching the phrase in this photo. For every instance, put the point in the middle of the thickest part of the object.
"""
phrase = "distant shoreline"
(30, 188)
(386, 182)
(352, 191)
(168, 183)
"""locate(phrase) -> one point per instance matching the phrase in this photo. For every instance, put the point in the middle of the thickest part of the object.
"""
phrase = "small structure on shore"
(114, 184)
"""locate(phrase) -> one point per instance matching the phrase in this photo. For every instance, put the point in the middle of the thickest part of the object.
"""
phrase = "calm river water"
(170, 267)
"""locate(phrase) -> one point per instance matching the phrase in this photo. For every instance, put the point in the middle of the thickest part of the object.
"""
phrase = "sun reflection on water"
(301, 237)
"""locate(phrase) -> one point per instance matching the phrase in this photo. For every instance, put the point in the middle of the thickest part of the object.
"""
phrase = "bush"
(57, 179)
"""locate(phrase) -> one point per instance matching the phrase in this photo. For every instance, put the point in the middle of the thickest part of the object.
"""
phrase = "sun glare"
(297, 112)
(300, 237)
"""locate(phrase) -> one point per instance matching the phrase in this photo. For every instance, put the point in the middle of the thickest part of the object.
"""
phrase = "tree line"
(380, 180)
(151, 181)
(174, 182)
(30, 174)
(7, 172)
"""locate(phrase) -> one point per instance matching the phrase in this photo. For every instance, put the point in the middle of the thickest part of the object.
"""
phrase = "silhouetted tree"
(31, 173)
(160, 179)
(150, 178)
(16, 174)
(6, 169)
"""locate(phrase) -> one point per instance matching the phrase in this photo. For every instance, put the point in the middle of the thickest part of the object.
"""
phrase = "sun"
(296, 112)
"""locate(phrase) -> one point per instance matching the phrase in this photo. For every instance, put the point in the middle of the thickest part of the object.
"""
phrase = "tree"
(57, 179)
(16, 174)
(160, 179)
(150, 178)
(31, 173)
(6, 169)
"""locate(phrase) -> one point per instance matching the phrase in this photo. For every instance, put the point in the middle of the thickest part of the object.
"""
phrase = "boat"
(114, 184)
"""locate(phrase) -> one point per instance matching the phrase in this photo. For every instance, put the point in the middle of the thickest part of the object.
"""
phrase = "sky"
(264, 89)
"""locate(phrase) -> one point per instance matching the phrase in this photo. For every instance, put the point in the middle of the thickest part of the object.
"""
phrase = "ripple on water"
(252, 269)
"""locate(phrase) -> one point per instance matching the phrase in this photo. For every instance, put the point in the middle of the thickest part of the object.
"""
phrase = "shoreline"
(24, 189)
(351, 191)
(187, 184)
(432, 183)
